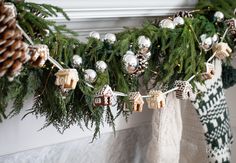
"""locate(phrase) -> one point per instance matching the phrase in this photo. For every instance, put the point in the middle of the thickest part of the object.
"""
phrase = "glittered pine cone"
(13, 51)
(184, 14)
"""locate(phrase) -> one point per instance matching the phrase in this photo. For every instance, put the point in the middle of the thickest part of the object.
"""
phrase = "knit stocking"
(164, 146)
(214, 116)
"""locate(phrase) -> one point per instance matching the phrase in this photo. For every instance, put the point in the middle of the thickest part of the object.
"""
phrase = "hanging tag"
(136, 101)
(103, 97)
(184, 90)
(222, 50)
(67, 78)
(156, 100)
(210, 71)
(39, 54)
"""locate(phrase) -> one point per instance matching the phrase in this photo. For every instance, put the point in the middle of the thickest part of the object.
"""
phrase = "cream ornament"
(136, 100)
(210, 71)
(39, 54)
(103, 97)
(67, 78)
(184, 90)
(156, 99)
(221, 50)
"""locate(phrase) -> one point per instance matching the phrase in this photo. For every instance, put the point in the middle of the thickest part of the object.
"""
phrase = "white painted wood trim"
(97, 13)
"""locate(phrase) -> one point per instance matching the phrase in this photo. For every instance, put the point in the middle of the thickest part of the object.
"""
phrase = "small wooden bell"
(136, 100)
(156, 99)
(67, 78)
(222, 50)
(184, 90)
(103, 97)
(210, 71)
(39, 54)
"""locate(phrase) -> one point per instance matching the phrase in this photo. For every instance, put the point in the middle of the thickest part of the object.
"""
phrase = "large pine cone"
(13, 51)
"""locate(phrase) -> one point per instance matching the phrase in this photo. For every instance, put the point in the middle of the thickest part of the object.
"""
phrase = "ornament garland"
(91, 74)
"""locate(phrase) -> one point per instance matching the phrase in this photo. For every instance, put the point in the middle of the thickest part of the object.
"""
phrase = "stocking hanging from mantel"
(214, 116)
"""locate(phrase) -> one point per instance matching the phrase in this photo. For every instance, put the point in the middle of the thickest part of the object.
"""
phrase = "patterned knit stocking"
(214, 116)
(164, 147)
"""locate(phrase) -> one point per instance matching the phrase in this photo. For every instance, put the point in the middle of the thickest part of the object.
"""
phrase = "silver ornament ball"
(215, 38)
(203, 37)
(144, 42)
(94, 34)
(207, 42)
(178, 20)
(219, 16)
(130, 62)
(90, 75)
(167, 23)
(147, 55)
(110, 37)
(77, 61)
(101, 66)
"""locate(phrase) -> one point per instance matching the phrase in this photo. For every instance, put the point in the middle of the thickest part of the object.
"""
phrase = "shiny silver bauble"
(130, 62)
(215, 38)
(110, 37)
(90, 75)
(178, 21)
(219, 16)
(76, 61)
(144, 42)
(94, 34)
(101, 66)
(206, 42)
(167, 23)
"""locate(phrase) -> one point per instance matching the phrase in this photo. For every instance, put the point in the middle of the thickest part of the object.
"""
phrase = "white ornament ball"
(219, 16)
(90, 75)
(94, 34)
(130, 62)
(77, 61)
(110, 37)
(167, 23)
(178, 20)
(101, 66)
(144, 42)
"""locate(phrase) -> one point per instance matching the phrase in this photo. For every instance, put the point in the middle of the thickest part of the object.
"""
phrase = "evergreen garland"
(175, 55)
